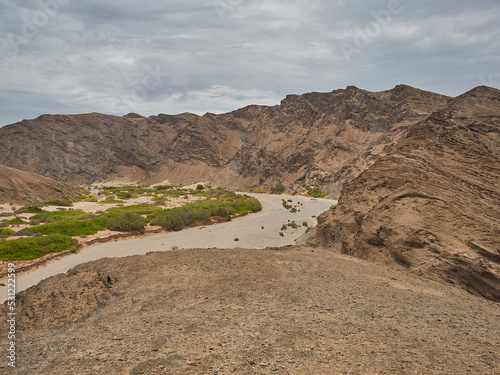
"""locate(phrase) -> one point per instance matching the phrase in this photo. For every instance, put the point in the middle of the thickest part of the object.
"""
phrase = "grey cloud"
(98, 55)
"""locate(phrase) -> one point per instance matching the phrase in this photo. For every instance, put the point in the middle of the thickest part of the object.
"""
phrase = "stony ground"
(296, 310)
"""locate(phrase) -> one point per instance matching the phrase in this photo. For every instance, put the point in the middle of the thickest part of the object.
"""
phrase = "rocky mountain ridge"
(312, 139)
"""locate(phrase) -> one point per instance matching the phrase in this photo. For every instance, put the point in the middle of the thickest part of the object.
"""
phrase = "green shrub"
(169, 219)
(16, 221)
(236, 239)
(60, 202)
(199, 187)
(6, 232)
(127, 222)
(68, 227)
(141, 209)
(286, 205)
(175, 193)
(35, 247)
(258, 190)
(59, 215)
(316, 193)
(278, 189)
(87, 198)
(281, 234)
(33, 210)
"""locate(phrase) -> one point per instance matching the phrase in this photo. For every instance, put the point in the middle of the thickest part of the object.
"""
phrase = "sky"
(175, 56)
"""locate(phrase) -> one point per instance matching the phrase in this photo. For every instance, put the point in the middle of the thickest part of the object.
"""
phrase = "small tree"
(199, 187)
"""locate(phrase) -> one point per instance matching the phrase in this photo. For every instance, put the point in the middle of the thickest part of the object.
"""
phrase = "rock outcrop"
(432, 204)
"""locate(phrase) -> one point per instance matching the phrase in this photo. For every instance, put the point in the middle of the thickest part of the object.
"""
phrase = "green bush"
(278, 189)
(316, 193)
(141, 209)
(6, 232)
(175, 192)
(126, 195)
(169, 219)
(59, 215)
(87, 198)
(199, 187)
(68, 227)
(258, 190)
(16, 221)
(60, 202)
(35, 247)
(127, 222)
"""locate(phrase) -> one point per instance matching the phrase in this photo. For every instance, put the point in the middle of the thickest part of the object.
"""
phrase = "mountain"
(432, 204)
(312, 139)
(21, 187)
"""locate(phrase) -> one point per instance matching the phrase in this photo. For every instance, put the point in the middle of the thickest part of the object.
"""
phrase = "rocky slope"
(275, 311)
(19, 187)
(432, 205)
(312, 139)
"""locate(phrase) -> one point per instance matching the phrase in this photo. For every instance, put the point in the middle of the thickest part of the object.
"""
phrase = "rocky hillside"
(312, 139)
(21, 187)
(432, 205)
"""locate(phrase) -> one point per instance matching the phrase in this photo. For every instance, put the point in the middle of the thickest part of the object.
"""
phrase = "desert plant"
(68, 227)
(35, 247)
(6, 232)
(258, 190)
(316, 192)
(168, 219)
(278, 189)
(199, 187)
(16, 221)
(127, 222)
(60, 202)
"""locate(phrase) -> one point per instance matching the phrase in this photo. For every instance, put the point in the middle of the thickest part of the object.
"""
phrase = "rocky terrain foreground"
(293, 310)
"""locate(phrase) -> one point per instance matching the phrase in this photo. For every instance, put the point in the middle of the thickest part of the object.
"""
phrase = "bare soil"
(293, 310)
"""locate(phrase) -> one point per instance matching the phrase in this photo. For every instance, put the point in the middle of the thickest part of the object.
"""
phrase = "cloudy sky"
(173, 56)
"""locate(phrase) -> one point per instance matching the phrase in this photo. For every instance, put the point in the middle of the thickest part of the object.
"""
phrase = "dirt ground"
(293, 310)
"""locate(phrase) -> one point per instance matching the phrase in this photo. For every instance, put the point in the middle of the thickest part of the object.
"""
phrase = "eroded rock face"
(313, 139)
(432, 204)
(20, 187)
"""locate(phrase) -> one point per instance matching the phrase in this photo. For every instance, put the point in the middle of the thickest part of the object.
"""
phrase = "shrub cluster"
(278, 189)
(316, 193)
(35, 247)
(6, 232)
(60, 202)
(127, 222)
